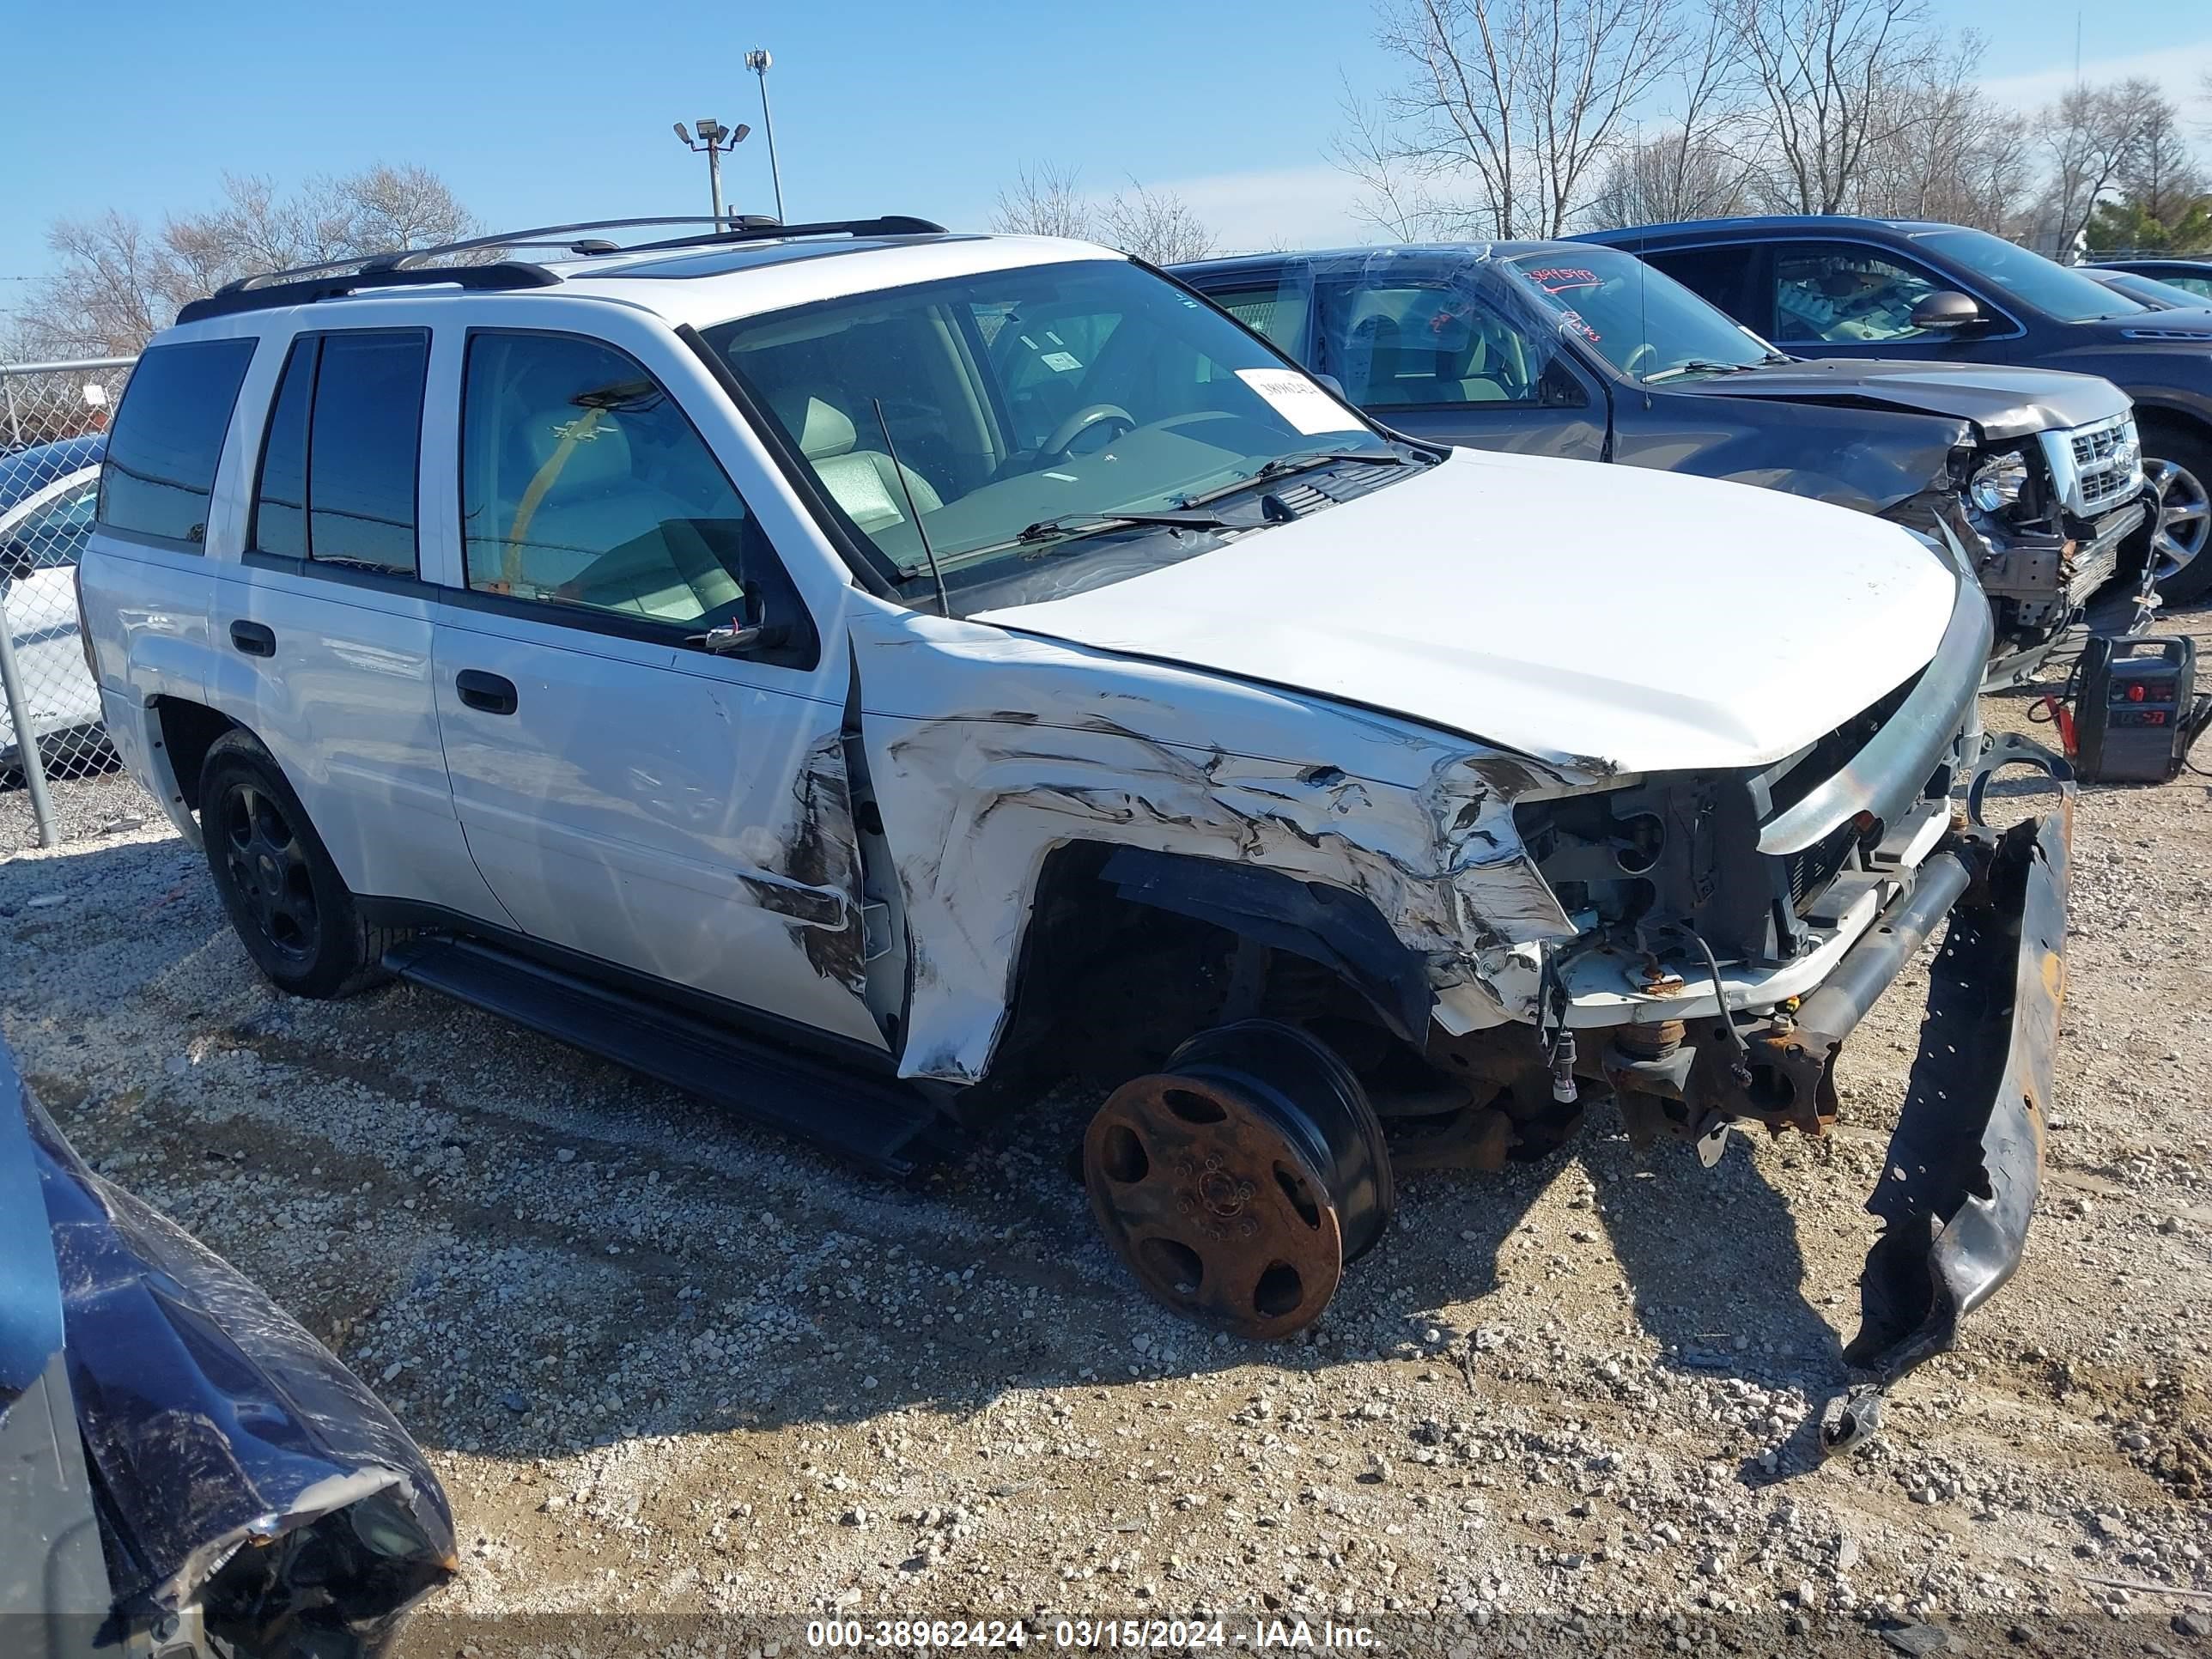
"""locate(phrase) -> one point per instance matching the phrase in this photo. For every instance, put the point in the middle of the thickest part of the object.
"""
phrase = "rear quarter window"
(162, 454)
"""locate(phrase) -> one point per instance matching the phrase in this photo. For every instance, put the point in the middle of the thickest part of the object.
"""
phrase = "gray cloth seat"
(603, 537)
(870, 486)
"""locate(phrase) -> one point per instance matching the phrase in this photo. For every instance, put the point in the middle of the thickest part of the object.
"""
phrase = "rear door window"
(1276, 311)
(339, 464)
(1419, 347)
(167, 442)
(1721, 275)
(363, 444)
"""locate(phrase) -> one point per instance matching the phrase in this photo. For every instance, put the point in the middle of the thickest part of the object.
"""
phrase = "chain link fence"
(53, 433)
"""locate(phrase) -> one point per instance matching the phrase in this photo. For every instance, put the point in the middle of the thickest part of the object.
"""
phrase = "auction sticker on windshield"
(1555, 278)
(1310, 409)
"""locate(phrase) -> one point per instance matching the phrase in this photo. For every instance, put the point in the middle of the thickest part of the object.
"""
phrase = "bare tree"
(400, 207)
(115, 284)
(2092, 136)
(1156, 225)
(1829, 73)
(1042, 202)
(1396, 199)
(2161, 177)
(1949, 153)
(1508, 106)
(1698, 168)
(1668, 178)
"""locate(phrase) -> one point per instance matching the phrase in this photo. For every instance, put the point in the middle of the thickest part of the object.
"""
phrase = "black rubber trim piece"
(507, 274)
(873, 1122)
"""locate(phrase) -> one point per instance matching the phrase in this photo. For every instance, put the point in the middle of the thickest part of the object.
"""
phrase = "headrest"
(821, 429)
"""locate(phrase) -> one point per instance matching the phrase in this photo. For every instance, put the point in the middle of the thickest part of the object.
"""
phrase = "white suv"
(855, 671)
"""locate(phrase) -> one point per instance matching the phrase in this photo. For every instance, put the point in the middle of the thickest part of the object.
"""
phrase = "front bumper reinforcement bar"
(1965, 1163)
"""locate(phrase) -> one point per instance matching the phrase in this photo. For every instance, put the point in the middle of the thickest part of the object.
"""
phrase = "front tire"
(2180, 465)
(290, 907)
(1237, 1183)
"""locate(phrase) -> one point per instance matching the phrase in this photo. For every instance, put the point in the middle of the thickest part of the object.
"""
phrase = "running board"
(874, 1122)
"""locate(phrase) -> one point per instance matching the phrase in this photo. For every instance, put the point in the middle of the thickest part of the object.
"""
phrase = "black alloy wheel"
(268, 869)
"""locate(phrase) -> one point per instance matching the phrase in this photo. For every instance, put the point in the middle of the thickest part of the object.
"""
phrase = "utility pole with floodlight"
(757, 61)
(716, 140)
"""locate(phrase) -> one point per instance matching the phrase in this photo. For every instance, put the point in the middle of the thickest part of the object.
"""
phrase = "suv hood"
(2189, 331)
(1603, 617)
(2004, 403)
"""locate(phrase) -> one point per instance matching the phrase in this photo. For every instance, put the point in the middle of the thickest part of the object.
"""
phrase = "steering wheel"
(1081, 422)
(1643, 353)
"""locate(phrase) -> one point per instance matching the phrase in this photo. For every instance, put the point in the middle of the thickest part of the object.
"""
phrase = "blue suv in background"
(1837, 287)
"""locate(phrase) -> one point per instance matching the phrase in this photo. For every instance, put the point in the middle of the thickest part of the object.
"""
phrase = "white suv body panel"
(691, 817)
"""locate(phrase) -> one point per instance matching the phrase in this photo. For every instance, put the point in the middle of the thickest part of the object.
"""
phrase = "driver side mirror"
(1331, 385)
(1946, 308)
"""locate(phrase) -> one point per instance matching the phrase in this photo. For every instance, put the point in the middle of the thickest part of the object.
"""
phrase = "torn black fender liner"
(1340, 930)
(1965, 1163)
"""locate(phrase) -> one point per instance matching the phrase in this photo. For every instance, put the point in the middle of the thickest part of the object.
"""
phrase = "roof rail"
(752, 229)
(570, 238)
(233, 297)
(410, 267)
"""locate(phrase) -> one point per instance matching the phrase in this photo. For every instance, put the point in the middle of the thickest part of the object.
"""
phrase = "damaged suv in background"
(1569, 349)
(858, 673)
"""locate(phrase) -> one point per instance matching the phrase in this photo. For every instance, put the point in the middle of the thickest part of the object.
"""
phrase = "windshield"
(1639, 320)
(1009, 412)
(2059, 291)
(2159, 296)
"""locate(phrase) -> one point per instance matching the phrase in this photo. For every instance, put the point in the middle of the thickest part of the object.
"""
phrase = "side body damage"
(1417, 826)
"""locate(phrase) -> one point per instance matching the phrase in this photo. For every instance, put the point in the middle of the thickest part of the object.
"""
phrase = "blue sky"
(561, 109)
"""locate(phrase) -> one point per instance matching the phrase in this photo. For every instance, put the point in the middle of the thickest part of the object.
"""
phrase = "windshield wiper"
(1085, 523)
(1068, 526)
(1305, 461)
(1697, 365)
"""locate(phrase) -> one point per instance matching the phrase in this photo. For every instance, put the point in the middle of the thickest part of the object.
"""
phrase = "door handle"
(492, 693)
(253, 639)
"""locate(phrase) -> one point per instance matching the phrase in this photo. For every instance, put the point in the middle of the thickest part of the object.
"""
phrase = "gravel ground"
(685, 1381)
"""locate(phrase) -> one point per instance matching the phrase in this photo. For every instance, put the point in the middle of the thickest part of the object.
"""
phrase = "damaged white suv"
(856, 671)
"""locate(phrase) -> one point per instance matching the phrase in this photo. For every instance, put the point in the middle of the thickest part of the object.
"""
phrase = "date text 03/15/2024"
(1165, 1635)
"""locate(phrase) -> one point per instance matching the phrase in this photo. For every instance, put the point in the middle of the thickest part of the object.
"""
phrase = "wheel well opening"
(188, 732)
(1109, 984)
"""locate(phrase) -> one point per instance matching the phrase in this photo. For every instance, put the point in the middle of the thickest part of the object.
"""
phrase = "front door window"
(1840, 293)
(583, 486)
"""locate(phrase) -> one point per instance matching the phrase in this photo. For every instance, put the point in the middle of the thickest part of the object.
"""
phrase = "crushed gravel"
(689, 1384)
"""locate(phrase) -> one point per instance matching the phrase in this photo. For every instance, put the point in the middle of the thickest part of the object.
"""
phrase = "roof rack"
(410, 267)
(507, 273)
